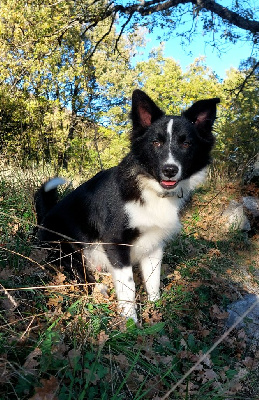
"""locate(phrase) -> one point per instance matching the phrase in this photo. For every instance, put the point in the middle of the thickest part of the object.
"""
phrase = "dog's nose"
(170, 170)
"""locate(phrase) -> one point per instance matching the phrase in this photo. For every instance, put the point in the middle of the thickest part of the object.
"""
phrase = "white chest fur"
(156, 219)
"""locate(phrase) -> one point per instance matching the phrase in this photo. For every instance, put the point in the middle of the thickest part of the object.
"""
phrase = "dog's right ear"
(143, 112)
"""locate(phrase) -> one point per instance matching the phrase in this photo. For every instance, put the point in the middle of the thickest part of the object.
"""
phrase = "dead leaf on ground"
(209, 375)
(59, 279)
(250, 363)
(5, 371)
(122, 360)
(217, 313)
(31, 363)
(38, 255)
(73, 356)
(102, 338)
(48, 391)
(6, 273)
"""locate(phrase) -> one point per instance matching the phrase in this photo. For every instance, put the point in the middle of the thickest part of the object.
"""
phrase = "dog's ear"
(144, 111)
(203, 114)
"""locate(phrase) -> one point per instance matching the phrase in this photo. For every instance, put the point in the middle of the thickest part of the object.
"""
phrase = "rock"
(252, 175)
(252, 205)
(251, 322)
(235, 217)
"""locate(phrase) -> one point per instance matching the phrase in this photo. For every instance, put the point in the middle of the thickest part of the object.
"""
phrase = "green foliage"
(67, 82)
(58, 78)
(174, 89)
(238, 126)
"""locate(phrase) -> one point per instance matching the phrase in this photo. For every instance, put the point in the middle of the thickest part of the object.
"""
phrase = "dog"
(123, 216)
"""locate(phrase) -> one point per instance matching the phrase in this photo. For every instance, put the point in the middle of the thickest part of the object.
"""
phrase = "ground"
(61, 340)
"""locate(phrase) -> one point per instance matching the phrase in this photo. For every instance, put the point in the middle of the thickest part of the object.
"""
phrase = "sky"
(229, 56)
(185, 55)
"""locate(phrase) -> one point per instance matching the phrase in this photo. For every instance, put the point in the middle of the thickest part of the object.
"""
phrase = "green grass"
(64, 343)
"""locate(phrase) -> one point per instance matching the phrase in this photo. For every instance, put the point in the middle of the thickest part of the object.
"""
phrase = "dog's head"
(171, 148)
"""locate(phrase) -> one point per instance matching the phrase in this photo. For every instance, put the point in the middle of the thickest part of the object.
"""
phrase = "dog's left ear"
(203, 114)
(144, 111)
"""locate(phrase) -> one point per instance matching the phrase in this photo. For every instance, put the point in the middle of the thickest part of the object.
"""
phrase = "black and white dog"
(123, 216)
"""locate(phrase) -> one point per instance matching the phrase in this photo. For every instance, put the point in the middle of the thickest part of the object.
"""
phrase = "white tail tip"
(54, 183)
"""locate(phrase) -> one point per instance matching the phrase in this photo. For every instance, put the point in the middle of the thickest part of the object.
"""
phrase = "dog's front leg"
(151, 269)
(125, 291)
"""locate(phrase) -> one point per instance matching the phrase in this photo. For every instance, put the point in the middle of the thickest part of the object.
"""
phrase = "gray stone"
(252, 205)
(251, 322)
(235, 217)
(252, 175)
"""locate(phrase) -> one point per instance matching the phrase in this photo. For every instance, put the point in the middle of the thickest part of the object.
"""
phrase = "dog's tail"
(46, 197)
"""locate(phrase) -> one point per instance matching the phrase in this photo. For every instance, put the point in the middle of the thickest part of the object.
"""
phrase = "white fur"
(96, 257)
(54, 183)
(125, 291)
(156, 217)
(171, 160)
(170, 128)
(151, 268)
(188, 185)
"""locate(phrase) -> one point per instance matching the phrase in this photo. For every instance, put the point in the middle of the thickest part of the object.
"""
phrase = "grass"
(57, 341)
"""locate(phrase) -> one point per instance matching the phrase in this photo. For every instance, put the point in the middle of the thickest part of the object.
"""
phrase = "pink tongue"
(169, 183)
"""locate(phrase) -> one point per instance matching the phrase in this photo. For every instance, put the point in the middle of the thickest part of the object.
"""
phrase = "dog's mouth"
(168, 184)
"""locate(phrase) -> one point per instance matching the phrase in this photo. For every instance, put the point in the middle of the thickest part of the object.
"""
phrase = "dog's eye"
(186, 144)
(156, 143)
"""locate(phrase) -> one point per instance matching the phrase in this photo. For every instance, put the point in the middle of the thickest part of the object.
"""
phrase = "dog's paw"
(154, 296)
(128, 310)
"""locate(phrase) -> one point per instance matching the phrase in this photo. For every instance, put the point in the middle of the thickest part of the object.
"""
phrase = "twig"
(12, 300)
(27, 329)
(248, 76)
(45, 287)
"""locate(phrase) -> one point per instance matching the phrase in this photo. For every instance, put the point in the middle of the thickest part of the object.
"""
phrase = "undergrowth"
(60, 340)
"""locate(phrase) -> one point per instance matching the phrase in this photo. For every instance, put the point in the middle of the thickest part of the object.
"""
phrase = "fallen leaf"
(177, 275)
(59, 279)
(31, 363)
(217, 313)
(94, 378)
(209, 374)
(102, 338)
(48, 390)
(73, 356)
(122, 360)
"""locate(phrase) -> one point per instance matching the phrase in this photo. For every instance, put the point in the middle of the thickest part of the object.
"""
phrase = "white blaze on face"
(169, 130)
(171, 160)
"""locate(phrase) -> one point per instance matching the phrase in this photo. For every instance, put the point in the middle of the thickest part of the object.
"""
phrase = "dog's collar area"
(178, 194)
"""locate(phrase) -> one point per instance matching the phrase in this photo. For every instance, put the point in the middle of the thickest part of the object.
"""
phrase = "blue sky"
(219, 62)
(229, 55)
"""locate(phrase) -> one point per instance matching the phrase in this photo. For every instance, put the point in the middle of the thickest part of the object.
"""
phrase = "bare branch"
(154, 6)
(241, 87)
(121, 31)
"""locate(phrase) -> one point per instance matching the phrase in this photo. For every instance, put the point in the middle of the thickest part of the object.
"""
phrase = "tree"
(238, 125)
(49, 57)
(169, 13)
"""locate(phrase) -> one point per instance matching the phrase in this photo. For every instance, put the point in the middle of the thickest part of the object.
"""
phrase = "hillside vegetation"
(66, 79)
(60, 341)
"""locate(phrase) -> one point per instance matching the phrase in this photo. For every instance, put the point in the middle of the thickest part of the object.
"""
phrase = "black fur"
(164, 158)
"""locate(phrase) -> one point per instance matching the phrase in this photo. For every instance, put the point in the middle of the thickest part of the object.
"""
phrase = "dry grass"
(61, 341)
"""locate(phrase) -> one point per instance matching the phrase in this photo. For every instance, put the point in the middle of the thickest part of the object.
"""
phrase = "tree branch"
(240, 88)
(154, 6)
